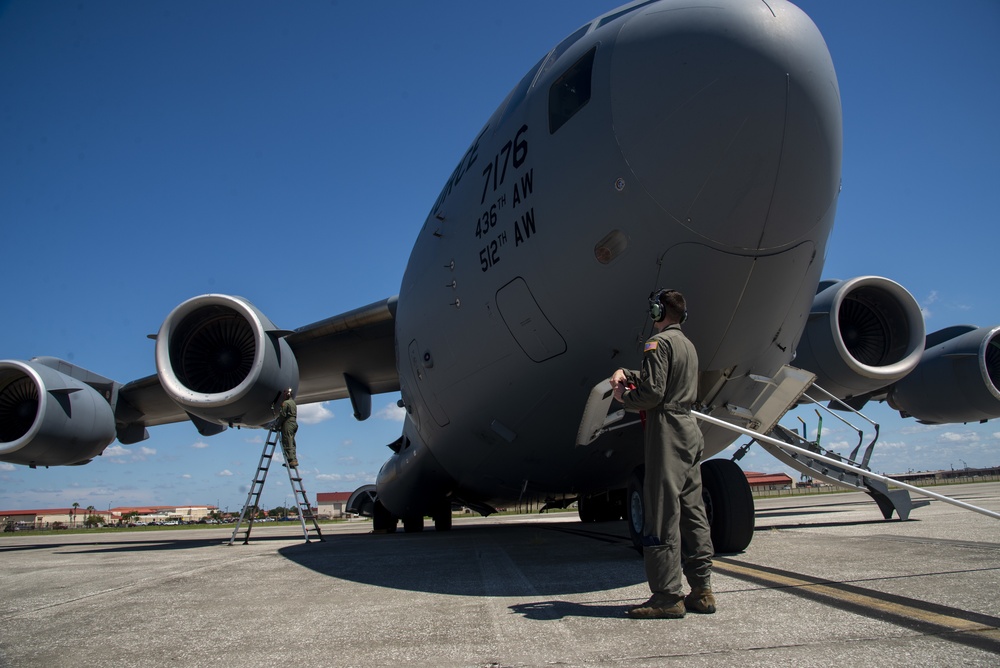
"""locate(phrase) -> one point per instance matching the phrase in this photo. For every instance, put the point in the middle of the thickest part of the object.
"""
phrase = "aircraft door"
(421, 366)
(536, 336)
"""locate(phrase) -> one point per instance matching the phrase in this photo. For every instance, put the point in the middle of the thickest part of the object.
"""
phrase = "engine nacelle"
(222, 360)
(48, 418)
(863, 334)
(957, 380)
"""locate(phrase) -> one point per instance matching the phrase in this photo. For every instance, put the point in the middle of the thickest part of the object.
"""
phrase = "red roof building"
(767, 480)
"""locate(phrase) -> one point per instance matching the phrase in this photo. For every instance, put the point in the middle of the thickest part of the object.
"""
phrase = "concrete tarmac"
(825, 582)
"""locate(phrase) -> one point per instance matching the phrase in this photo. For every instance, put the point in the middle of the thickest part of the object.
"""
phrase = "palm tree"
(75, 506)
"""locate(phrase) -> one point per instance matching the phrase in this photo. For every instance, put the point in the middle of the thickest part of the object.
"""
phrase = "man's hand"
(618, 384)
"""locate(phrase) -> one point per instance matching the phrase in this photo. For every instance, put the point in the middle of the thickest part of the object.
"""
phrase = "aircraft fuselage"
(674, 144)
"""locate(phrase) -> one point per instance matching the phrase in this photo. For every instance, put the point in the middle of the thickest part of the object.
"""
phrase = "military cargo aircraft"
(668, 143)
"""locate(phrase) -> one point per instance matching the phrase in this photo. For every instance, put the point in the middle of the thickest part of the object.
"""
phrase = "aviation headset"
(657, 307)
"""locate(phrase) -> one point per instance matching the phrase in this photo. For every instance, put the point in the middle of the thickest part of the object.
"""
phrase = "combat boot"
(700, 600)
(659, 606)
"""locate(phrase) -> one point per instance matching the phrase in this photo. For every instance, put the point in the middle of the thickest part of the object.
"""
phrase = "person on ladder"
(286, 424)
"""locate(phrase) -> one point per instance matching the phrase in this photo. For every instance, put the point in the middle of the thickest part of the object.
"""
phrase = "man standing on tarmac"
(288, 426)
(676, 534)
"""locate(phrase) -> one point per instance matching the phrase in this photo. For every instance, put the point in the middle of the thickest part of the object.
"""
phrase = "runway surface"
(825, 582)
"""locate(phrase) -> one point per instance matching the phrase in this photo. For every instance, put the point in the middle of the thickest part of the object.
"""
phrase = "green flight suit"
(675, 529)
(288, 426)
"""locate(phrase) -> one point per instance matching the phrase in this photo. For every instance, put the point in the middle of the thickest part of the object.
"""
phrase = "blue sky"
(288, 153)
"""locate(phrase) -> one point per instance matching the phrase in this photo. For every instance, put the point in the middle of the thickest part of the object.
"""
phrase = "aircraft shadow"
(146, 545)
(484, 560)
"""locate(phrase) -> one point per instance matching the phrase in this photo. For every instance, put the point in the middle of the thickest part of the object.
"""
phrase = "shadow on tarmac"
(147, 545)
(554, 610)
(484, 560)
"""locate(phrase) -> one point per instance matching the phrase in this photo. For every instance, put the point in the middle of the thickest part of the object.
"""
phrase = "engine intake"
(220, 359)
(862, 335)
(957, 380)
(48, 418)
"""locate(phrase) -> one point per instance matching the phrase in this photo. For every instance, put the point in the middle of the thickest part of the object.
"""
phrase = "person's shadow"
(554, 610)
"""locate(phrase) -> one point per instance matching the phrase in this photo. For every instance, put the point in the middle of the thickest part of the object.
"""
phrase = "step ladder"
(249, 512)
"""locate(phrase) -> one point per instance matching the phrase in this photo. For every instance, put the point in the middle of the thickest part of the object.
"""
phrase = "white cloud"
(199, 445)
(889, 445)
(925, 307)
(358, 477)
(186, 476)
(918, 428)
(148, 452)
(4, 466)
(315, 413)
(952, 437)
(391, 412)
(224, 473)
(117, 451)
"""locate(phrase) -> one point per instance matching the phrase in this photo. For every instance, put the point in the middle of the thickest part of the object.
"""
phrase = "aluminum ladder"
(250, 508)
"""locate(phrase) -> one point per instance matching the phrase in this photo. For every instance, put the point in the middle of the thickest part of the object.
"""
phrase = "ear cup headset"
(657, 311)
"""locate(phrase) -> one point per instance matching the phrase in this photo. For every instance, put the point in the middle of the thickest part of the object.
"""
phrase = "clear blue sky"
(153, 151)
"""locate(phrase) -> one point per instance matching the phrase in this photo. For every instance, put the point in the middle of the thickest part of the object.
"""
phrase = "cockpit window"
(570, 92)
(561, 48)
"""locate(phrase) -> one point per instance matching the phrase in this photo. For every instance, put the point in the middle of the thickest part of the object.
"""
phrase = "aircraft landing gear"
(728, 504)
(413, 524)
(382, 520)
(635, 508)
(604, 507)
(442, 516)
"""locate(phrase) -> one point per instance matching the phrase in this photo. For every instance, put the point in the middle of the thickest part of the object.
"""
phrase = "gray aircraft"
(669, 143)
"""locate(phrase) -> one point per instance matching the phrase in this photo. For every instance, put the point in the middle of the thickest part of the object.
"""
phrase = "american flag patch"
(650, 345)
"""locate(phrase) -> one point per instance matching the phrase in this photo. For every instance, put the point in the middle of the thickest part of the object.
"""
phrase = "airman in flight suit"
(286, 422)
(676, 534)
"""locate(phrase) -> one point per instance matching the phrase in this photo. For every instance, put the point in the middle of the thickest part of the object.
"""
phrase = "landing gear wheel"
(382, 519)
(728, 504)
(442, 519)
(635, 510)
(413, 524)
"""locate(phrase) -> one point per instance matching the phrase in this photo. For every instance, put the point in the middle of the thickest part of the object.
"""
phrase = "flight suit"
(288, 426)
(665, 388)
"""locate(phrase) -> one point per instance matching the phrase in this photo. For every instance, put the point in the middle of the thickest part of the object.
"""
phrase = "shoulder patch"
(650, 345)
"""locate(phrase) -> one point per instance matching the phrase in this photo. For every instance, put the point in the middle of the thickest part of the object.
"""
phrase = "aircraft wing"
(356, 347)
(359, 344)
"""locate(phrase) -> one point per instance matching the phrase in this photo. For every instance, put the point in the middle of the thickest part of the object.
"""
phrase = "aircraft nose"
(729, 117)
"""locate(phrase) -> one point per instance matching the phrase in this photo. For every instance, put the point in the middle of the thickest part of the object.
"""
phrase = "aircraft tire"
(635, 511)
(729, 505)
(442, 520)
(382, 519)
(441, 515)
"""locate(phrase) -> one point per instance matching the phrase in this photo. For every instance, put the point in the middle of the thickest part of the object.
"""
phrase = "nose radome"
(729, 117)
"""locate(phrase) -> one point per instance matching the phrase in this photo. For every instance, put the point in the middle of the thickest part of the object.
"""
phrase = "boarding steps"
(765, 401)
(791, 387)
(250, 508)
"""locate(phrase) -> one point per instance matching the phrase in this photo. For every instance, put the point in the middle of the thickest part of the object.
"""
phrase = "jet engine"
(223, 361)
(957, 379)
(48, 418)
(862, 335)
